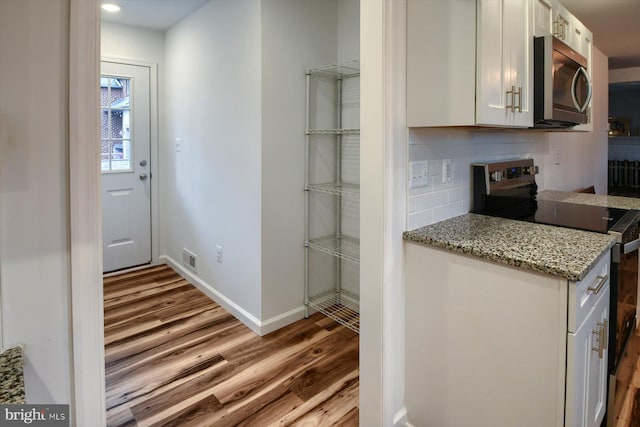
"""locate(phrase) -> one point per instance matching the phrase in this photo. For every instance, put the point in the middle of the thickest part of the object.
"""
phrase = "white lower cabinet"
(587, 367)
(492, 345)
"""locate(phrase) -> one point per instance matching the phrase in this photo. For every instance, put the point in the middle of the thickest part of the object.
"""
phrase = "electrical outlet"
(418, 174)
(219, 253)
(447, 171)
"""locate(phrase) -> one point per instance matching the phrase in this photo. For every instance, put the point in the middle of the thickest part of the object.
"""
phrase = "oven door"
(624, 300)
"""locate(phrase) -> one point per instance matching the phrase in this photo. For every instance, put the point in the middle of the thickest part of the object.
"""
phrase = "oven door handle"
(631, 246)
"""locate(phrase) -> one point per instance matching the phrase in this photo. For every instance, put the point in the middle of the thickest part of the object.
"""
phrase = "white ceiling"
(615, 23)
(154, 14)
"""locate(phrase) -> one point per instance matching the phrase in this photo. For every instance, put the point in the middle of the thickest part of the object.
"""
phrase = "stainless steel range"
(508, 189)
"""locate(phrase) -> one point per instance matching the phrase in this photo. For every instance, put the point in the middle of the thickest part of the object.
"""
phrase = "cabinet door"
(543, 18)
(504, 63)
(587, 368)
(519, 42)
(491, 78)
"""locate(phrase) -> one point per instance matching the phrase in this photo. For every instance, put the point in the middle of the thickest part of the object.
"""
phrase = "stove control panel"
(506, 174)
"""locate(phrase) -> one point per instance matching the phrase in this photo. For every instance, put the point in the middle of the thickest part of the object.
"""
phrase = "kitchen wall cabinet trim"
(337, 303)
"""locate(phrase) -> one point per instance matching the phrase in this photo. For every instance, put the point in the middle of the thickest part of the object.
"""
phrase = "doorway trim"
(85, 217)
(154, 133)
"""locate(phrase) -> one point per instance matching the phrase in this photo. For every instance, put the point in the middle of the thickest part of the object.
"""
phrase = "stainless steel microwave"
(562, 88)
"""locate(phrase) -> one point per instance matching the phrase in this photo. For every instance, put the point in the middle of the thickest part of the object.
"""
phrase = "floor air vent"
(189, 259)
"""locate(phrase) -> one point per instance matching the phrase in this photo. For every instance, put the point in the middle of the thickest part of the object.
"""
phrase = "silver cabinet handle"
(605, 329)
(143, 176)
(511, 106)
(518, 93)
(560, 27)
(600, 333)
(603, 280)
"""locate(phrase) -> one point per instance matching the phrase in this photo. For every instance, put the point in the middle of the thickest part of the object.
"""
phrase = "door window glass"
(116, 123)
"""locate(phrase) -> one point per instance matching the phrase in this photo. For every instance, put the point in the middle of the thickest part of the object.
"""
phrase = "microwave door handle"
(574, 83)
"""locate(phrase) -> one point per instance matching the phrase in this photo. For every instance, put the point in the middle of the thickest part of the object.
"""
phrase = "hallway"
(175, 357)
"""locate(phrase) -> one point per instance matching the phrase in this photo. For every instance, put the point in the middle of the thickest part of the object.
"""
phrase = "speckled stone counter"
(11, 376)
(590, 199)
(543, 248)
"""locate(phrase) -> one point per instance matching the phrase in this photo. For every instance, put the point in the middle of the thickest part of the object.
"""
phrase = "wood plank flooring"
(176, 358)
(628, 405)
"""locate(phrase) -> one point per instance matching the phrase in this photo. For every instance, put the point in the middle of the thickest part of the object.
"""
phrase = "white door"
(125, 152)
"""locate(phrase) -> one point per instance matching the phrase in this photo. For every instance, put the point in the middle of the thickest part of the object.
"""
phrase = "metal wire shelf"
(347, 248)
(351, 191)
(332, 131)
(340, 70)
(341, 306)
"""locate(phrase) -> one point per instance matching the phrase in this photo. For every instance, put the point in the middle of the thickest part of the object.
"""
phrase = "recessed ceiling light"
(110, 7)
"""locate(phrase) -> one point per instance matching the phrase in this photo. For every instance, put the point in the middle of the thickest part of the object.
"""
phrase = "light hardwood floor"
(628, 407)
(176, 358)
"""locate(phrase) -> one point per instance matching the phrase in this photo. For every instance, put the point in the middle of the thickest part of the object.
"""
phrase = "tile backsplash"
(438, 201)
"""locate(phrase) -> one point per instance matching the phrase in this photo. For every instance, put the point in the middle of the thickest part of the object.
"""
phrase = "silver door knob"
(143, 163)
(143, 176)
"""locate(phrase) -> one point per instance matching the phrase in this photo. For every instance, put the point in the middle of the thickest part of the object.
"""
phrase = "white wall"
(235, 97)
(296, 34)
(582, 157)
(624, 75)
(211, 184)
(127, 42)
(348, 30)
(34, 198)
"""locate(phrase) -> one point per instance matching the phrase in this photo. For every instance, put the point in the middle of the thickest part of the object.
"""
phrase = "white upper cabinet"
(543, 12)
(504, 63)
(470, 63)
(441, 63)
(552, 18)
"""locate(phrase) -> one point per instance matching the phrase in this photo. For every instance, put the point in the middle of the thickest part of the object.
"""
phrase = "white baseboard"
(256, 325)
(281, 320)
(400, 418)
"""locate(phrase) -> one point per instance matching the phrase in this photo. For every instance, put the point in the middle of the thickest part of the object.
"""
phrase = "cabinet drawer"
(582, 294)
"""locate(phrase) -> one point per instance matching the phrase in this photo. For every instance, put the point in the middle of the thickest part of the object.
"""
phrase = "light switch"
(446, 171)
(418, 174)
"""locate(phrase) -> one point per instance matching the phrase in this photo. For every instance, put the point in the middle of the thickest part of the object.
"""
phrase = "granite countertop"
(590, 199)
(547, 249)
(12, 376)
